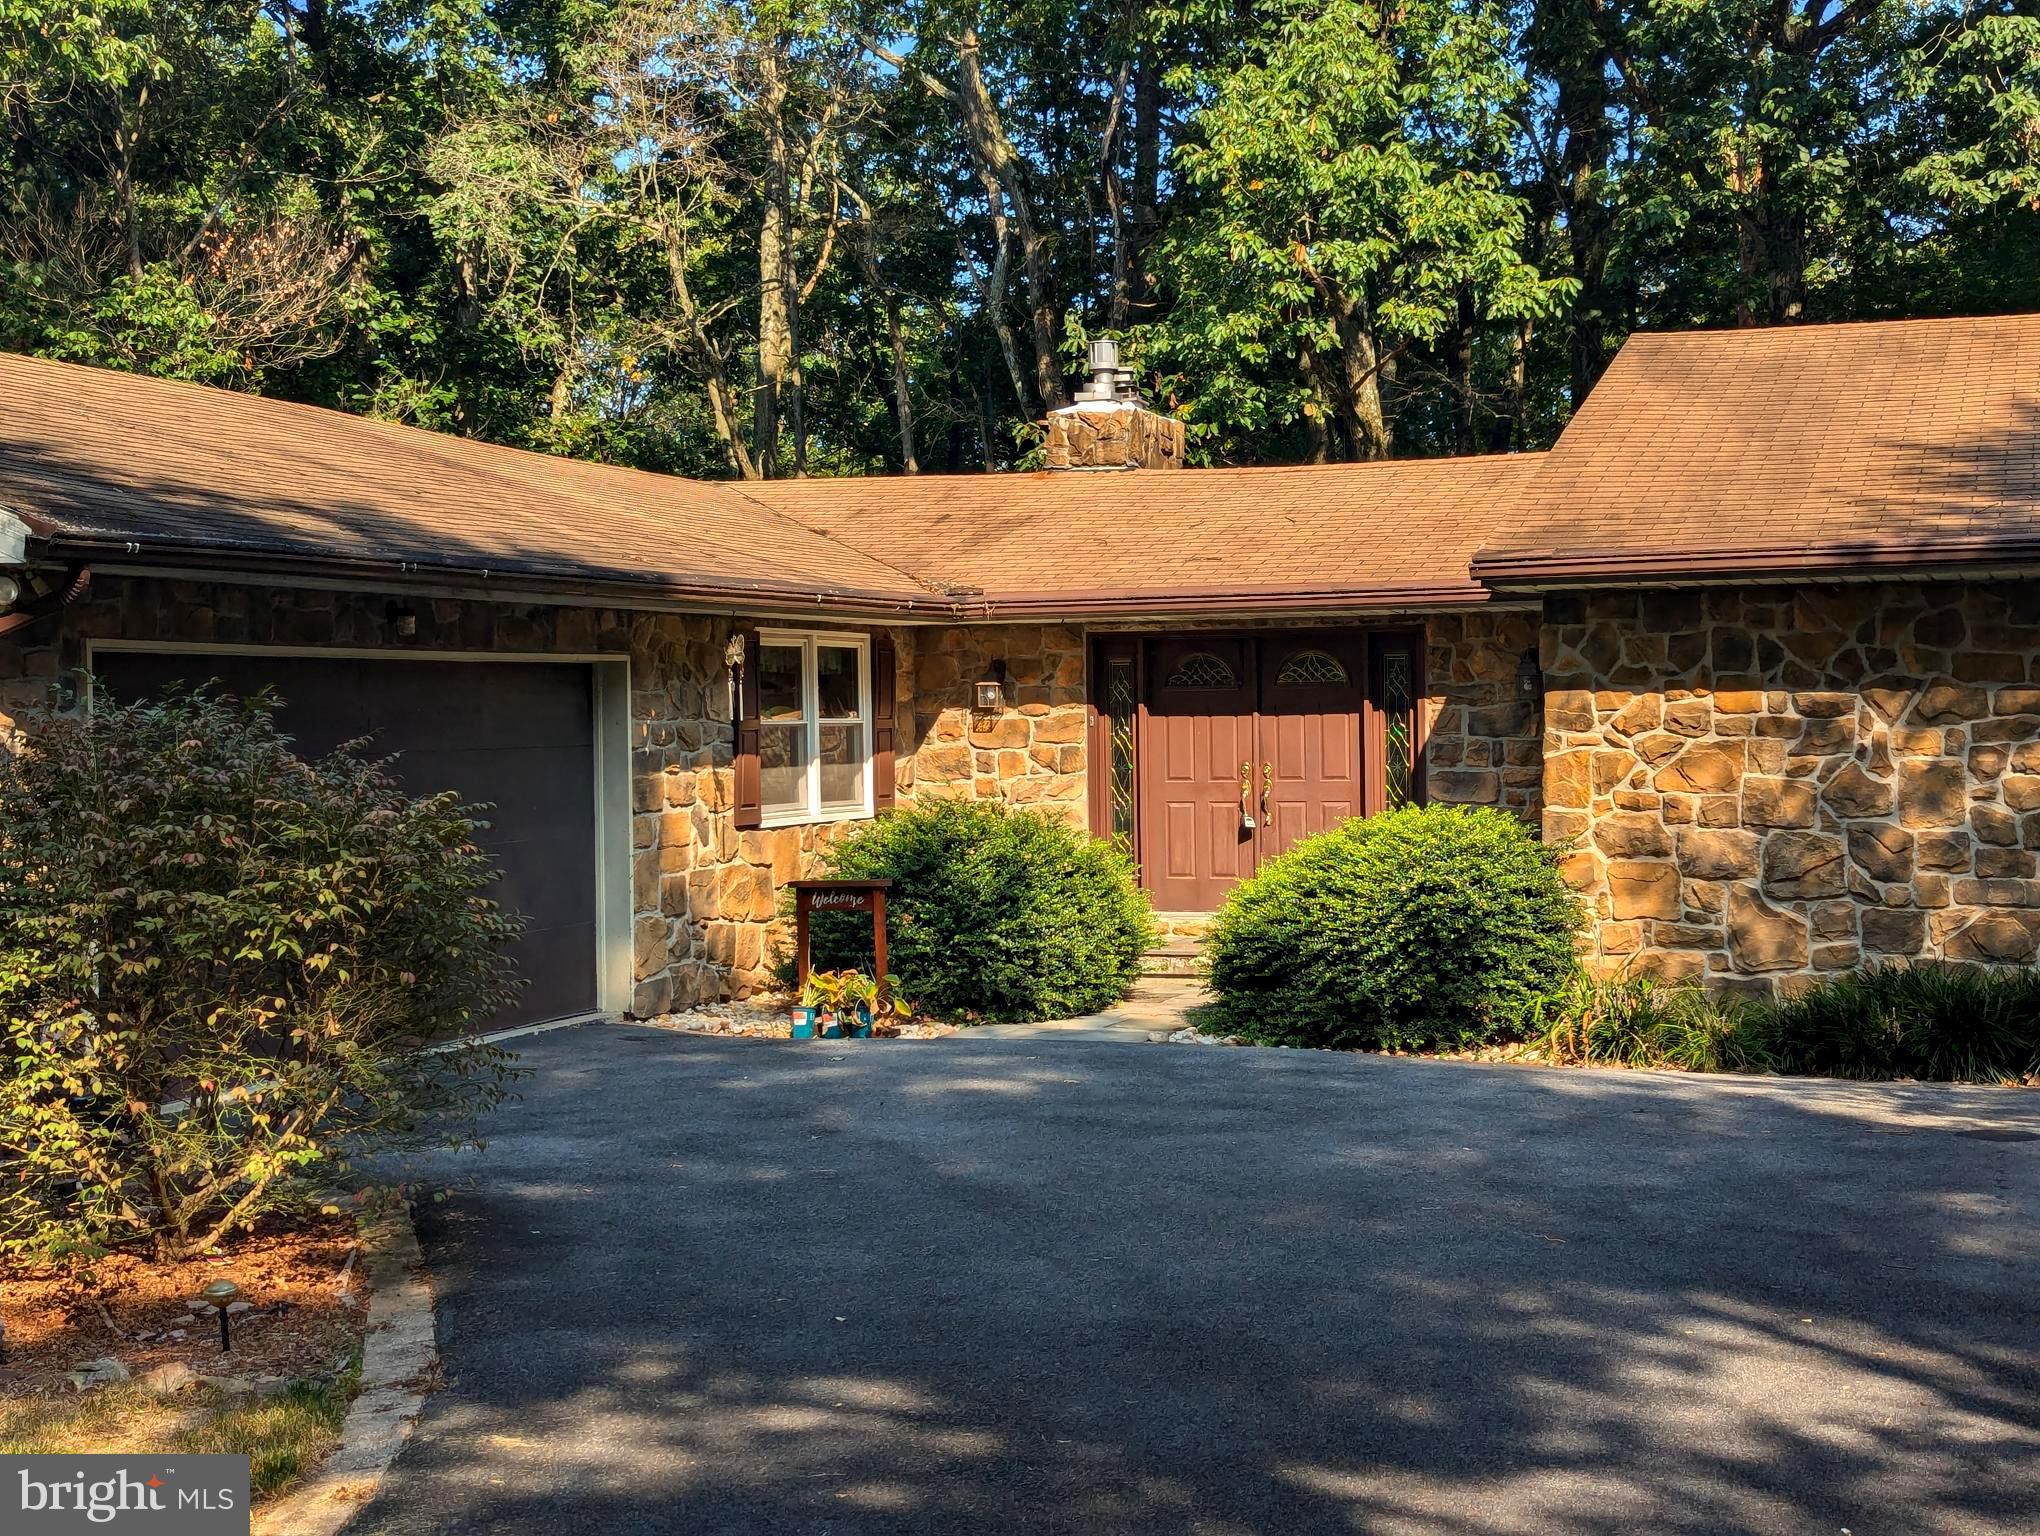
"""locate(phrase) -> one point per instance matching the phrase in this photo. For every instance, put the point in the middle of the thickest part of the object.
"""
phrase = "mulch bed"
(767, 1020)
(304, 1319)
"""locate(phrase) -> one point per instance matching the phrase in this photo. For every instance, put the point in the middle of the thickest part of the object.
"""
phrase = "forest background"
(780, 237)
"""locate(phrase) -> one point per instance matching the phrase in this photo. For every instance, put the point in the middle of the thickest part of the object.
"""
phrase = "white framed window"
(814, 727)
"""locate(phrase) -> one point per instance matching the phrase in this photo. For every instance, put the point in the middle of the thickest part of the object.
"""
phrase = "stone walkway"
(1159, 1004)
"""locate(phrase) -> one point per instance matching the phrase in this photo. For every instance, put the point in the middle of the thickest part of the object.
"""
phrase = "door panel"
(1287, 709)
(1313, 691)
(1199, 729)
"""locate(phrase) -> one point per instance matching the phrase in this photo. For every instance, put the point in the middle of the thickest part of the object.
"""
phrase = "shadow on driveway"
(708, 1285)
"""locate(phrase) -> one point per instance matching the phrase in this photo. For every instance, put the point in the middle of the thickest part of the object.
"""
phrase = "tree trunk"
(1362, 417)
(722, 404)
(1772, 246)
(992, 298)
(776, 302)
(1506, 430)
(1459, 344)
(1316, 422)
(1147, 170)
(1576, 52)
(996, 153)
(903, 404)
(1115, 203)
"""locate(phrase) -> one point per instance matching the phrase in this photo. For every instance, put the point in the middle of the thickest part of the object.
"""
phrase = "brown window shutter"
(748, 794)
(884, 705)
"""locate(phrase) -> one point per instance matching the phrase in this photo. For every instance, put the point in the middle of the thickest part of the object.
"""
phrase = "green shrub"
(995, 915)
(219, 966)
(1945, 1023)
(1634, 1021)
(1432, 927)
(1931, 1021)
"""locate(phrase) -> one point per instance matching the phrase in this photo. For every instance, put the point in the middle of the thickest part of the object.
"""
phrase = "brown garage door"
(516, 735)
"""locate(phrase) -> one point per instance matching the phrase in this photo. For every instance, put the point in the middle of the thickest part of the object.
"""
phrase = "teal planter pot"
(862, 1027)
(832, 1027)
(803, 1023)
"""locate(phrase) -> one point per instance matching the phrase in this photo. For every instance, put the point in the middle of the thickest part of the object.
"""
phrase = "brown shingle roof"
(1888, 444)
(109, 460)
(1199, 539)
(116, 465)
(1901, 444)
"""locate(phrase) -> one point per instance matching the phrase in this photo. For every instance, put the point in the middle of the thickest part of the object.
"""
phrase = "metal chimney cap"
(1104, 354)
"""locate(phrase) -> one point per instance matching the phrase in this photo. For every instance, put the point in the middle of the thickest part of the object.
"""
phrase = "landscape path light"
(220, 1295)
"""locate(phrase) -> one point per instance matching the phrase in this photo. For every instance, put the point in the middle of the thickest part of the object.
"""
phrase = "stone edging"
(397, 1357)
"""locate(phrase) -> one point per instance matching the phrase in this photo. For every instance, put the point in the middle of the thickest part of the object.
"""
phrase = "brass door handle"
(1246, 797)
(1267, 787)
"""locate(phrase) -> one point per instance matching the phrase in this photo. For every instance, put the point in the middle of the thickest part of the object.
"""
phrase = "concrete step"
(1180, 948)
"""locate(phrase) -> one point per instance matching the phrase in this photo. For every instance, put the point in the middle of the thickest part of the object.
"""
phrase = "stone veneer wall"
(1032, 752)
(705, 895)
(1484, 744)
(1766, 784)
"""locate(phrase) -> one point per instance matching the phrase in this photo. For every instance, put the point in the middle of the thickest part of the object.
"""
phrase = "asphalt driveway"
(705, 1286)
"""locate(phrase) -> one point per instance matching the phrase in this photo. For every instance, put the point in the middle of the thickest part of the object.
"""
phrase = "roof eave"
(1538, 569)
(1107, 604)
(390, 573)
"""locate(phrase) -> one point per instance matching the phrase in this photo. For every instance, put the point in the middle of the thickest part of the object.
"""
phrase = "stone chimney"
(1110, 427)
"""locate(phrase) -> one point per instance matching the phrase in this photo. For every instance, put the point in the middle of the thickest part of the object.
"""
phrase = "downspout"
(53, 602)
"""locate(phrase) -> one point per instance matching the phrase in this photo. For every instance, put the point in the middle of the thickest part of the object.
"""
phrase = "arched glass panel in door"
(1203, 669)
(1311, 669)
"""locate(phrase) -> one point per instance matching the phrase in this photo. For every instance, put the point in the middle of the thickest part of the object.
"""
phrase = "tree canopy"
(775, 237)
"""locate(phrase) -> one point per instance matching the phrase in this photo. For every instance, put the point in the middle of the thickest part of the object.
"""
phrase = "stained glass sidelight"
(1119, 709)
(1398, 710)
(1201, 669)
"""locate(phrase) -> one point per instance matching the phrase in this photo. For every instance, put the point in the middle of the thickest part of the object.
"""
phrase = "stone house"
(1759, 640)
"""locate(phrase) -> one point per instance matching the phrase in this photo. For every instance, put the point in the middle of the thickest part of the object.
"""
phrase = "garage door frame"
(609, 675)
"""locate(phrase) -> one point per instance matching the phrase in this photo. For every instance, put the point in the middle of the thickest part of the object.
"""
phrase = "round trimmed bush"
(1418, 929)
(995, 915)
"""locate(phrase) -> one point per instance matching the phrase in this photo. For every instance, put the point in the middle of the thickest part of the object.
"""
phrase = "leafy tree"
(1352, 213)
(898, 222)
(222, 968)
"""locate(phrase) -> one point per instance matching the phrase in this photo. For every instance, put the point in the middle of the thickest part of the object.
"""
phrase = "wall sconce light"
(1529, 677)
(733, 663)
(991, 693)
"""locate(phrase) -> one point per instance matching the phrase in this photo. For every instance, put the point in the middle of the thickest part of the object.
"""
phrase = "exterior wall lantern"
(1529, 677)
(991, 693)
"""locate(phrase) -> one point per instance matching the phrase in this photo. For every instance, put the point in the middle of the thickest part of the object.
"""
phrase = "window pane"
(782, 768)
(843, 761)
(836, 669)
(779, 682)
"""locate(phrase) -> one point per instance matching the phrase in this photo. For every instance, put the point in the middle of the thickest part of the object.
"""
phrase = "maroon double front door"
(1242, 744)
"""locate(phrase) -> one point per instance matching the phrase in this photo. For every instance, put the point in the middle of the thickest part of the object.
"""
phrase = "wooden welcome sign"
(810, 896)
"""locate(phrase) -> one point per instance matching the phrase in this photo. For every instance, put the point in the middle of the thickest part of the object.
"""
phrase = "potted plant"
(860, 997)
(807, 1010)
(825, 988)
(888, 1005)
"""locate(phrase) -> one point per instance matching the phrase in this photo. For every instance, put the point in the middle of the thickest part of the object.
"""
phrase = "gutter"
(1864, 561)
(1125, 603)
(112, 552)
(114, 555)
